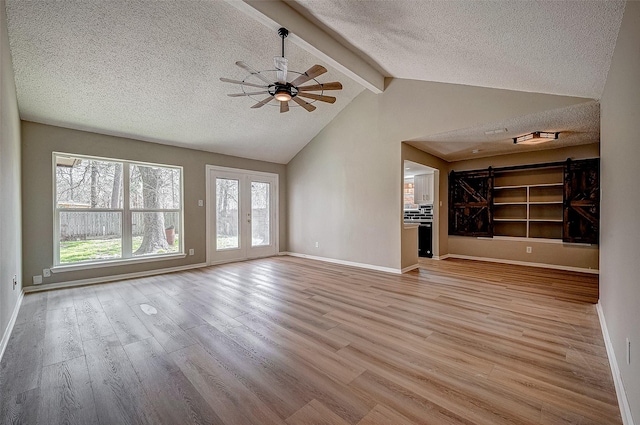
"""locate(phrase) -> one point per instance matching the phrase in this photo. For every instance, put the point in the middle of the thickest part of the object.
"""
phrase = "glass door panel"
(227, 213)
(260, 214)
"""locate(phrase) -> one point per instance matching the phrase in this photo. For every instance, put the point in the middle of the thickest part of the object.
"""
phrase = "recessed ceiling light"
(496, 131)
(535, 138)
(475, 151)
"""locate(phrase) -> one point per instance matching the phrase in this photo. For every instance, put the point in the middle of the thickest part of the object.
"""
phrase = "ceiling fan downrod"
(283, 33)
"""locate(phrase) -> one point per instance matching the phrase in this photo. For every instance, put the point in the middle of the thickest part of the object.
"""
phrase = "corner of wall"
(10, 189)
(619, 266)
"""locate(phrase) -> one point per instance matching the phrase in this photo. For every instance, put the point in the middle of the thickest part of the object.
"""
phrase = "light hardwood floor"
(292, 341)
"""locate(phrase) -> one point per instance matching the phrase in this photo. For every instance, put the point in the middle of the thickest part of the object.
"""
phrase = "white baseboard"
(12, 322)
(91, 281)
(623, 402)
(346, 263)
(440, 257)
(409, 268)
(522, 263)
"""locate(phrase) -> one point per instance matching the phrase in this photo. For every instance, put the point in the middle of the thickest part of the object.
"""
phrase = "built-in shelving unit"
(528, 204)
(552, 202)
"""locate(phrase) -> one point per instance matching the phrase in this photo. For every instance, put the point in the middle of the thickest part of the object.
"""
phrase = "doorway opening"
(421, 204)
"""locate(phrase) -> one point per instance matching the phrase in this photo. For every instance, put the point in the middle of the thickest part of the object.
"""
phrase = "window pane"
(227, 213)
(259, 214)
(155, 233)
(88, 183)
(154, 187)
(90, 236)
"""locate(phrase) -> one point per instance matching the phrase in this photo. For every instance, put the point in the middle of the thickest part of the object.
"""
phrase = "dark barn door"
(581, 201)
(470, 203)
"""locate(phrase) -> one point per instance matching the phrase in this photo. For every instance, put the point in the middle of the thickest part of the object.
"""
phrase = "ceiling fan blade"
(328, 99)
(263, 102)
(311, 73)
(281, 64)
(247, 93)
(326, 86)
(306, 105)
(253, 71)
(227, 80)
(284, 107)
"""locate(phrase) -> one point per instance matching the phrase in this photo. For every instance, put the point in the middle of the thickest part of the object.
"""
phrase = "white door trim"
(209, 212)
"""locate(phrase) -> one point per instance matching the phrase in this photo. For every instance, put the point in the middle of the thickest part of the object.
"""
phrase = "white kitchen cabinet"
(423, 189)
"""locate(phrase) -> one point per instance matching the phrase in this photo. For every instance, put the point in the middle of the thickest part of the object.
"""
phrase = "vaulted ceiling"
(150, 70)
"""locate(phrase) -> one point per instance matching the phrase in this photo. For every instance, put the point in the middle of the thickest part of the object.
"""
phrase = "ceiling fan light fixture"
(282, 95)
(535, 138)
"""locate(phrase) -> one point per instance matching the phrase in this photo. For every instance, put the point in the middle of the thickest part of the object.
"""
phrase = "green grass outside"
(101, 249)
(107, 249)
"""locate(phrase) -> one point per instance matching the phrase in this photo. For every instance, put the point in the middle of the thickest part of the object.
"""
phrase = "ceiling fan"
(281, 89)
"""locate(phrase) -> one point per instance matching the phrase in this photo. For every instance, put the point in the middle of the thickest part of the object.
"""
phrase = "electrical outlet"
(37, 279)
(46, 272)
(528, 250)
(628, 351)
(317, 245)
(200, 203)
(192, 251)
(15, 281)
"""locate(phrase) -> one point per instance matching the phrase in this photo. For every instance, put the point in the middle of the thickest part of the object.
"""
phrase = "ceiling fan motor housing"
(279, 88)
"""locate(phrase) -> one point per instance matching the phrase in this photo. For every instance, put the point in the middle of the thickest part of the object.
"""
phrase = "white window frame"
(125, 221)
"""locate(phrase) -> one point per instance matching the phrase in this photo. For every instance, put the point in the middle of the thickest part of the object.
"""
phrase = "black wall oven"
(425, 239)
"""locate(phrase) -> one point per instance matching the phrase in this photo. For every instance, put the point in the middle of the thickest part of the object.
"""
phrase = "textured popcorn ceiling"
(577, 124)
(556, 47)
(150, 70)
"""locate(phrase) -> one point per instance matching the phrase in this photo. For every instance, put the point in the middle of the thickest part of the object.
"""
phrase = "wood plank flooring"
(290, 341)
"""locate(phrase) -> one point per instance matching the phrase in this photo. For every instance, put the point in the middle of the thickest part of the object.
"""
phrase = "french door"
(242, 214)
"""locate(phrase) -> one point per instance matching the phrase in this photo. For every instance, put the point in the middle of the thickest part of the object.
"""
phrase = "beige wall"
(341, 180)
(10, 227)
(39, 141)
(620, 230)
(567, 255)
(345, 185)
(409, 252)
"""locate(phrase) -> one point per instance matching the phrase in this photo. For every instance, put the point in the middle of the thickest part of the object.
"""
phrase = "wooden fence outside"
(105, 225)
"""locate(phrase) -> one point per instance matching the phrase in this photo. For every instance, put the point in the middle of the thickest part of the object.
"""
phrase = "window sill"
(114, 263)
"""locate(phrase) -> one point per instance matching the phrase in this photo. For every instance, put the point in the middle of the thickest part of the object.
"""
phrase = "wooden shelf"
(545, 203)
(546, 185)
(510, 228)
(530, 208)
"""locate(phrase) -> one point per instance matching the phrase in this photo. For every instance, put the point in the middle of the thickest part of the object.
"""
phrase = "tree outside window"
(95, 223)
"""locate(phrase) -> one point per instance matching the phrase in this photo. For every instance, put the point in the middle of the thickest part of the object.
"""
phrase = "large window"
(107, 209)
